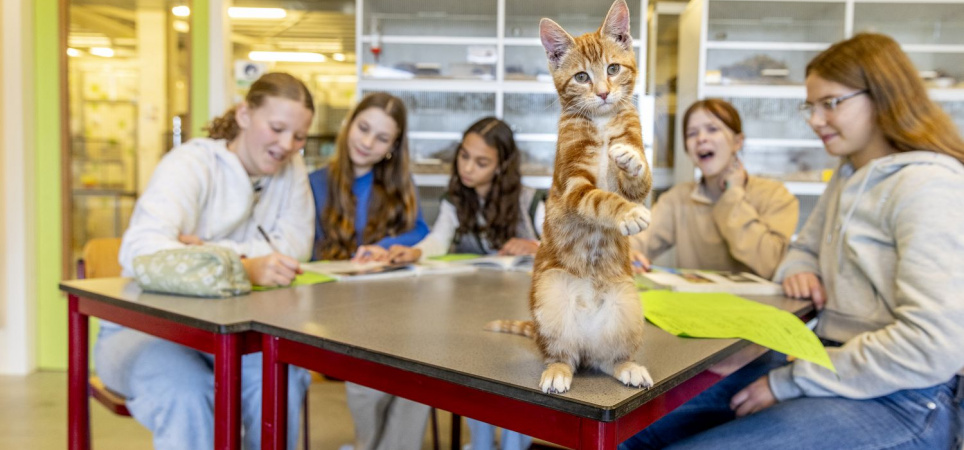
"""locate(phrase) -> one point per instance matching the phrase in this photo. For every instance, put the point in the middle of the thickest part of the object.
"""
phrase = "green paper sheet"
(455, 257)
(728, 316)
(306, 278)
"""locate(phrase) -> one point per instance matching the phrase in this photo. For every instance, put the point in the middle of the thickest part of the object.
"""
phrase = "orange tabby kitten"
(583, 300)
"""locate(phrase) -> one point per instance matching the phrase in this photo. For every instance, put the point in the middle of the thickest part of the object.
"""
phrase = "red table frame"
(539, 421)
(227, 349)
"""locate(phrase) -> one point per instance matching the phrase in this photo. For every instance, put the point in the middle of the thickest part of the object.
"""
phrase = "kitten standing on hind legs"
(585, 309)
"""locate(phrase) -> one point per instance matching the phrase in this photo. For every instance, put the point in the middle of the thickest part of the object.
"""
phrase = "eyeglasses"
(825, 106)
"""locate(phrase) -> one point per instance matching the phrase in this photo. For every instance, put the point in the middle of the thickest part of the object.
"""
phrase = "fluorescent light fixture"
(287, 56)
(338, 57)
(73, 52)
(106, 52)
(235, 12)
(181, 11)
(181, 26)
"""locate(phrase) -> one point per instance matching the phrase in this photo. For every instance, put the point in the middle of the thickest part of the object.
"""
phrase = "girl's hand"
(806, 285)
(640, 262)
(403, 254)
(734, 175)
(370, 253)
(754, 398)
(519, 246)
(189, 239)
(271, 270)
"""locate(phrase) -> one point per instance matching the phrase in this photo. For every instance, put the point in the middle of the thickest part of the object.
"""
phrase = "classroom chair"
(100, 260)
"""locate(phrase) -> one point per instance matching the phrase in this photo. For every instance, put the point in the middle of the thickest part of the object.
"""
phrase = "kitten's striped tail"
(525, 328)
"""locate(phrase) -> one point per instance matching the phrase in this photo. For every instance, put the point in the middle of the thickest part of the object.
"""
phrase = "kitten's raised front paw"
(556, 379)
(632, 374)
(636, 220)
(628, 159)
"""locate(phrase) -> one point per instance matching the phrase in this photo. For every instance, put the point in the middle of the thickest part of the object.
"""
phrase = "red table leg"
(78, 415)
(274, 397)
(597, 435)
(227, 393)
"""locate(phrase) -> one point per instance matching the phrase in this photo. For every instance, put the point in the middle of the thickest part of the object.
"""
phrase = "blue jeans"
(483, 437)
(909, 419)
(170, 389)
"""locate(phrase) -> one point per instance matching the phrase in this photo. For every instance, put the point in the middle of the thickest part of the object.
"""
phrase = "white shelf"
(805, 187)
(536, 42)
(784, 143)
(436, 40)
(428, 84)
(442, 180)
(536, 137)
(755, 91)
(435, 135)
(780, 46)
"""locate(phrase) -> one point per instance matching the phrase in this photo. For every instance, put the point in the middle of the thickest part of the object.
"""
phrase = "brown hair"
(501, 211)
(907, 117)
(275, 84)
(392, 209)
(719, 108)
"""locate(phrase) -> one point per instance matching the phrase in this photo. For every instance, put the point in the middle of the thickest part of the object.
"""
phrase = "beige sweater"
(746, 230)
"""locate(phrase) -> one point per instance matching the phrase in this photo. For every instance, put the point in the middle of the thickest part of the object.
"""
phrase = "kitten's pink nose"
(603, 95)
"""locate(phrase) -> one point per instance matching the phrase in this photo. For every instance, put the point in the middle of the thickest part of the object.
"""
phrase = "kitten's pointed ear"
(616, 24)
(556, 41)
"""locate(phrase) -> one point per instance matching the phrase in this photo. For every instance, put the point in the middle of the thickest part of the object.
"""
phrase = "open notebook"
(351, 271)
(707, 281)
(521, 262)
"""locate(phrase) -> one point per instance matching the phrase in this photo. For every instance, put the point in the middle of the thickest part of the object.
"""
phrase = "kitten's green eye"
(613, 69)
(582, 77)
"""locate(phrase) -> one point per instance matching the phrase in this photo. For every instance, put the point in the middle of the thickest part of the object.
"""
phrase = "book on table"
(684, 280)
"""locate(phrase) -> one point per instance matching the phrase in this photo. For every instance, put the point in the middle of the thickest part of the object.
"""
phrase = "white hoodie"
(888, 243)
(201, 189)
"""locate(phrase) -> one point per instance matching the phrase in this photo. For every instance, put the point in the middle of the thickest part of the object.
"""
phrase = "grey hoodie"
(888, 243)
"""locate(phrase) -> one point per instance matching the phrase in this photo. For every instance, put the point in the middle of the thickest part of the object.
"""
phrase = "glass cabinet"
(469, 60)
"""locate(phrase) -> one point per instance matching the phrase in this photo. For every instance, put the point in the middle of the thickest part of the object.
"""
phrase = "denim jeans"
(170, 389)
(909, 419)
(483, 437)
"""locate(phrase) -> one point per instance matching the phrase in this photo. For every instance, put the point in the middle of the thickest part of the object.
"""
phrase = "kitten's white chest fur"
(602, 157)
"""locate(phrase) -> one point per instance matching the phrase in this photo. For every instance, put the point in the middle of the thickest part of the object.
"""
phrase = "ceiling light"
(338, 57)
(235, 12)
(287, 56)
(181, 11)
(181, 26)
(106, 52)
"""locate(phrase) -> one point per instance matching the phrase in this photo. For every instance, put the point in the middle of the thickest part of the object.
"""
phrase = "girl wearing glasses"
(727, 220)
(880, 257)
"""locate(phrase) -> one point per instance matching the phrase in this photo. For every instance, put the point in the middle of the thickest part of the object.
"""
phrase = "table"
(422, 338)
(221, 327)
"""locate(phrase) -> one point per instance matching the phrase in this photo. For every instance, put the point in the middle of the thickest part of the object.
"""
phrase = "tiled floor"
(33, 415)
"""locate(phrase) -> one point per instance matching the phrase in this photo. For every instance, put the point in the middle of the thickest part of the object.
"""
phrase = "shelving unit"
(468, 60)
(753, 53)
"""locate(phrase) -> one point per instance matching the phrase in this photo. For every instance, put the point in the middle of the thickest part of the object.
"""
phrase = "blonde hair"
(392, 209)
(906, 115)
(275, 84)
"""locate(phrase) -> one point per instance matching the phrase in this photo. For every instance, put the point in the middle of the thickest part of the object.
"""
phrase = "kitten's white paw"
(636, 220)
(634, 375)
(627, 159)
(556, 379)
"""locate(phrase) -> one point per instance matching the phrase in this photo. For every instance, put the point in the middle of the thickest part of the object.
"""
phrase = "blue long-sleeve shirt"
(362, 189)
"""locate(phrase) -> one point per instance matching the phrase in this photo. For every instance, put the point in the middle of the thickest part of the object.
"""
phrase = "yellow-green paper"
(455, 257)
(306, 278)
(728, 316)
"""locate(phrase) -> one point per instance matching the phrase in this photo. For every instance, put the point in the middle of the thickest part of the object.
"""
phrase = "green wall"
(51, 305)
(200, 13)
